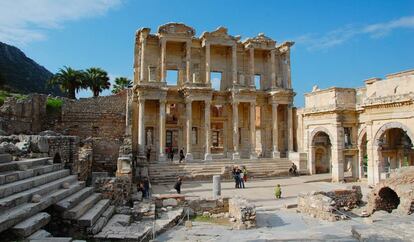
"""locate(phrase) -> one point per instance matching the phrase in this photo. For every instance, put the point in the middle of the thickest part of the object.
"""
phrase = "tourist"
(293, 170)
(278, 191)
(241, 178)
(244, 171)
(177, 185)
(171, 153)
(146, 188)
(181, 155)
(141, 189)
(148, 153)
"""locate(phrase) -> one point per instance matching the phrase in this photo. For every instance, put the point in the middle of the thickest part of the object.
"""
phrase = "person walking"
(177, 185)
(181, 155)
(278, 191)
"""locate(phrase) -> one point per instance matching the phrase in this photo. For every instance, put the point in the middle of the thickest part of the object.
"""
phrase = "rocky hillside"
(18, 73)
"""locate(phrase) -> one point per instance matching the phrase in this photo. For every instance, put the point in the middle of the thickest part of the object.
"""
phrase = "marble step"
(12, 176)
(24, 164)
(19, 213)
(40, 234)
(26, 184)
(25, 196)
(82, 207)
(55, 239)
(102, 221)
(30, 225)
(5, 158)
(74, 199)
(92, 215)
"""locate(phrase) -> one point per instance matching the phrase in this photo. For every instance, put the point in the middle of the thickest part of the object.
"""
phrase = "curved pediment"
(176, 29)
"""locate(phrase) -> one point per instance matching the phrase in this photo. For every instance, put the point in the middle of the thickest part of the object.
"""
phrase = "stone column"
(234, 62)
(275, 132)
(141, 126)
(290, 128)
(216, 186)
(289, 81)
(162, 156)
(251, 53)
(236, 154)
(163, 58)
(311, 160)
(142, 63)
(207, 104)
(207, 46)
(253, 154)
(189, 117)
(273, 68)
(188, 60)
(337, 154)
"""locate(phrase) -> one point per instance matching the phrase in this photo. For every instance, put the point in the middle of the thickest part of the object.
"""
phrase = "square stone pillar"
(188, 60)
(275, 131)
(234, 63)
(207, 46)
(290, 128)
(142, 62)
(162, 155)
(253, 154)
(189, 117)
(273, 68)
(338, 155)
(163, 59)
(207, 155)
(251, 54)
(141, 126)
(236, 155)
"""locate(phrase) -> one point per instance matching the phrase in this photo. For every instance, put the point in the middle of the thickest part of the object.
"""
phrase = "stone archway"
(57, 158)
(388, 200)
(320, 153)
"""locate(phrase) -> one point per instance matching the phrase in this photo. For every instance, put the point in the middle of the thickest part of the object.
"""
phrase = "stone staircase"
(29, 187)
(265, 168)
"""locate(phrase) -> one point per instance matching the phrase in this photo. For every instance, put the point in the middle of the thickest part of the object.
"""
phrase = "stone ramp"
(166, 173)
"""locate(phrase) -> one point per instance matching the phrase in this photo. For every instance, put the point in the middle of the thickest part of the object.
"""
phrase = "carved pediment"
(220, 34)
(261, 41)
(176, 29)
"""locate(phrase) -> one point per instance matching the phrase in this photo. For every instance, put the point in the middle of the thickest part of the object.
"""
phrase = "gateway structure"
(214, 96)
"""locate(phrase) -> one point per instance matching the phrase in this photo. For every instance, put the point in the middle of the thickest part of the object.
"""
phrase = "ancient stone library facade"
(229, 98)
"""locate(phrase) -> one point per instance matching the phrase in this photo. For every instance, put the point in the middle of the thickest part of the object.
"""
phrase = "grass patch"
(207, 219)
(5, 94)
(53, 105)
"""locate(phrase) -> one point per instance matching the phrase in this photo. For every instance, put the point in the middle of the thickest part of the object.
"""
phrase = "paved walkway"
(261, 192)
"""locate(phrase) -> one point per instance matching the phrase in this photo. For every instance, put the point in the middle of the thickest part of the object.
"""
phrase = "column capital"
(163, 41)
(141, 99)
(162, 101)
(188, 100)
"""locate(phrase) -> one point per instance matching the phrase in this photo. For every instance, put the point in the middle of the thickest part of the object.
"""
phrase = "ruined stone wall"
(95, 117)
(105, 154)
(118, 189)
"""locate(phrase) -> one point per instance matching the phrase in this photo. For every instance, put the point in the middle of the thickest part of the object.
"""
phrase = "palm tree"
(97, 80)
(69, 81)
(121, 83)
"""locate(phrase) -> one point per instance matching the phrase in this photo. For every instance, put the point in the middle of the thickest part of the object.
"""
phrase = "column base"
(162, 157)
(253, 156)
(275, 154)
(188, 157)
(236, 156)
(208, 156)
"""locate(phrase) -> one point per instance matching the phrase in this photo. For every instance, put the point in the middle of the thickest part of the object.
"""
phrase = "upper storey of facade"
(256, 63)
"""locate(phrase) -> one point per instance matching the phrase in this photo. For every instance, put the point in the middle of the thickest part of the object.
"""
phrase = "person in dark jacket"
(146, 188)
(177, 185)
(182, 155)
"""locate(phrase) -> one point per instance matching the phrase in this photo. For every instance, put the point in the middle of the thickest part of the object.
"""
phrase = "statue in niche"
(149, 136)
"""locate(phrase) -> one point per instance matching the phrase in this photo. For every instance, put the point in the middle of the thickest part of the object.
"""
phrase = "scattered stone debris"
(243, 212)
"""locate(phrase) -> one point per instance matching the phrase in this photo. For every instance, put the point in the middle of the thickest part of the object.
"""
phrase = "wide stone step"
(12, 176)
(90, 217)
(30, 225)
(25, 196)
(17, 214)
(74, 199)
(55, 239)
(26, 184)
(40, 234)
(5, 158)
(24, 164)
(82, 207)
(102, 221)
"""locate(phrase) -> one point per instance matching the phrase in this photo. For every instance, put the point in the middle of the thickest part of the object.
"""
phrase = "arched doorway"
(321, 149)
(57, 158)
(388, 200)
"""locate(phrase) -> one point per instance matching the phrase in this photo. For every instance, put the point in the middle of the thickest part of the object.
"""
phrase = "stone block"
(30, 225)
(169, 202)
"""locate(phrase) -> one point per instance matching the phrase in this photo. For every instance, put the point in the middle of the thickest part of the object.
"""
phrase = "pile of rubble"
(327, 205)
(243, 213)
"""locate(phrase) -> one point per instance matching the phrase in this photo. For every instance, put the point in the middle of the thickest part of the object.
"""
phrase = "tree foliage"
(69, 80)
(97, 80)
(121, 83)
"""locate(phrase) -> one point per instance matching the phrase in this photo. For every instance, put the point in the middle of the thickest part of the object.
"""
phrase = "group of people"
(239, 176)
(170, 154)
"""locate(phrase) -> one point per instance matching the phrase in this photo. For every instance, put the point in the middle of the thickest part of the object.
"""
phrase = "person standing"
(241, 179)
(181, 155)
(244, 170)
(278, 191)
(146, 187)
(177, 185)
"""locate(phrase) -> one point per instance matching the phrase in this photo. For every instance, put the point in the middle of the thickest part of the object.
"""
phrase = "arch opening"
(321, 144)
(57, 158)
(388, 200)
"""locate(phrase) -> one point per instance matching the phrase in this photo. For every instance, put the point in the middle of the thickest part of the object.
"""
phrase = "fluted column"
(142, 63)
(163, 57)
(290, 127)
(234, 63)
(188, 108)
(141, 126)
(275, 131)
(207, 155)
(236, 154)
(251, 54)
(207, 46)
(253, 154)
(188, 60)
(162, 156)
(273, 68)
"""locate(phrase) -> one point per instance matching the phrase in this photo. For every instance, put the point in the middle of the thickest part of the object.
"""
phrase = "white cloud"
(23, 21)
(341, 35)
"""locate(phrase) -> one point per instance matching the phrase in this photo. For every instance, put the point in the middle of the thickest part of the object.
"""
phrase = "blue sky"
(338, 43)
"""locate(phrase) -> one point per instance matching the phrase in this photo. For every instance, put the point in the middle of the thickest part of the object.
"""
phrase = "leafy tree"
(69, 81)
(97, 80)
(121, 83)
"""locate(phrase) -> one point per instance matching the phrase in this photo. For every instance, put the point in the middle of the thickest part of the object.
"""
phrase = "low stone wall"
(118, 189)
(243, 212)
(212, 206)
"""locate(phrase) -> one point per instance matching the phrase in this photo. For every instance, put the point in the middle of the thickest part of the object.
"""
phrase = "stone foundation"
(243, 212)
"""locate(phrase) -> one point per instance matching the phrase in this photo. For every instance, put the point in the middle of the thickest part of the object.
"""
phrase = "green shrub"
(53, 105)
(5, 94)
